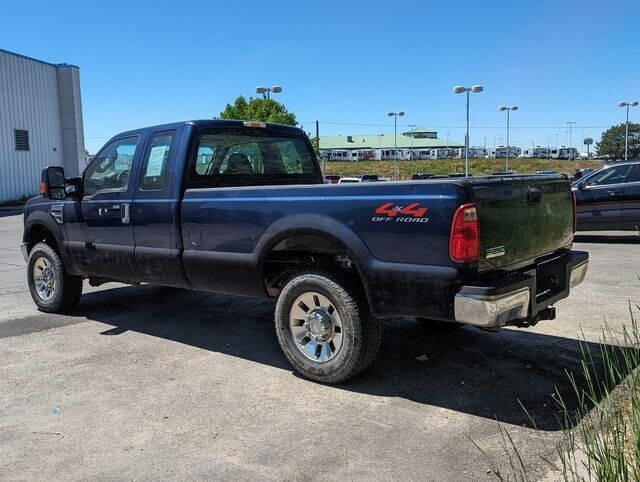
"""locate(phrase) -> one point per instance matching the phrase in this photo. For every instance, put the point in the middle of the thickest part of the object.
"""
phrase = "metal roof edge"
(37, 60)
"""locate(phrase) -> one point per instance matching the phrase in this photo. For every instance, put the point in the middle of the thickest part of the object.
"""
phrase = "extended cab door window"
(110, 170)
(154, 168)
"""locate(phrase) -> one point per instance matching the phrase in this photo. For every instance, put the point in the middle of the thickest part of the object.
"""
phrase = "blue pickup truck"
(241, 207)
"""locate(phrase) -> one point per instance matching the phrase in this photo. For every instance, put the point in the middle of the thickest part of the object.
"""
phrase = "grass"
(601, 435)
(446, 166)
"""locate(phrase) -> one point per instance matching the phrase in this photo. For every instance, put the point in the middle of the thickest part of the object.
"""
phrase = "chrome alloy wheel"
(315, 326)
(44, 278)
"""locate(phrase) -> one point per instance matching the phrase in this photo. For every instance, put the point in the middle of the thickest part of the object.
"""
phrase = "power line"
(447, 127)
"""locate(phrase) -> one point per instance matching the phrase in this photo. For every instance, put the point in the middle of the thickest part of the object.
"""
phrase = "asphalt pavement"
(154, 382)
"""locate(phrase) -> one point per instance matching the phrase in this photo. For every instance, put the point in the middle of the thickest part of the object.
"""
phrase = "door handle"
(104, 211)
(124, 211)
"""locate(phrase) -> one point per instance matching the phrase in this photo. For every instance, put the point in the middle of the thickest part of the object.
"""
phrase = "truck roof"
(204, 123)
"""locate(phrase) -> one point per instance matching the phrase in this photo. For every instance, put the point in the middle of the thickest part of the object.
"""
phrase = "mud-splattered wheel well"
(39, 233)
(306, 252)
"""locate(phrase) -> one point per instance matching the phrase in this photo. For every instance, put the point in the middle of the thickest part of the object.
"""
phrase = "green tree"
(314, 144)
(265, 110)
(612, 143)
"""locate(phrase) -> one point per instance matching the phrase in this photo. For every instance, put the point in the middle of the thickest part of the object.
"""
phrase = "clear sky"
(348, 62)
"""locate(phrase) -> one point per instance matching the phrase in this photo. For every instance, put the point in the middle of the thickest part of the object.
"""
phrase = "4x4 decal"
(410, 213)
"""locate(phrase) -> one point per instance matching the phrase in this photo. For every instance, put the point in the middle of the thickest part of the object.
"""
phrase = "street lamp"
(276, 89)
(570, 124)
(633, 103)
(395, 138)
(458, 89)
(413, 134)
(508, 109)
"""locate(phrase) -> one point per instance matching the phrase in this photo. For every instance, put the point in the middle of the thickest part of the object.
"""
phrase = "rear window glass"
(237, 153)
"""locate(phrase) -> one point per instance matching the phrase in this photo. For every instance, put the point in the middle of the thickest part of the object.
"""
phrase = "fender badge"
(494, 252)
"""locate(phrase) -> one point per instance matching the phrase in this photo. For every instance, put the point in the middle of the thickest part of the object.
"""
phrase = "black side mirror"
(582, 185)
(52, 183)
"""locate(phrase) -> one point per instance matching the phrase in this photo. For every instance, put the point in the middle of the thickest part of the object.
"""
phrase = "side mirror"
(52, 183)
(582, 185)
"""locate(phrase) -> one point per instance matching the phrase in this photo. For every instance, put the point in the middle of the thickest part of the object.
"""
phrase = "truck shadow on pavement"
(466, 370)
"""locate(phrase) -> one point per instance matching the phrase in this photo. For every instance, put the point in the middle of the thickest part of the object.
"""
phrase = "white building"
(40, 122)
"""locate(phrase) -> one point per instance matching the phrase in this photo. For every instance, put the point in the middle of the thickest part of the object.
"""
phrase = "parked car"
(346, 180)
(240, 207)
(369, 178)
(332, 178)
(609, 198)
(582, 172)
(422, 175)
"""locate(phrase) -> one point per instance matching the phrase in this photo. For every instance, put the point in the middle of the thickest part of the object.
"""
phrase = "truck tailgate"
(521, 218)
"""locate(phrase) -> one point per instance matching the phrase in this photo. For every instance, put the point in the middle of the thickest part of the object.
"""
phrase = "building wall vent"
(22, 139)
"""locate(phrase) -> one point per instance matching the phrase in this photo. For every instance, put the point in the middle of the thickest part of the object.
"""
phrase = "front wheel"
(52, 288)
(324, 332)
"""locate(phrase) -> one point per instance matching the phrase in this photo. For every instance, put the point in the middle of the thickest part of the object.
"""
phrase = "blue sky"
(144, 63)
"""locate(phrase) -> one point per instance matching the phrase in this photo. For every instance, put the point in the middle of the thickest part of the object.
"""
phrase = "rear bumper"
(520, 298)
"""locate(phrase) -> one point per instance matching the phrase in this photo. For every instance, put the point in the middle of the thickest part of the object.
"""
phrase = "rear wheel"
(325, 332)
(52, 288)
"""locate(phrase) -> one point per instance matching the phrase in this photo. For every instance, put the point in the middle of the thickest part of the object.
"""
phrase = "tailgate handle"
(534, 196)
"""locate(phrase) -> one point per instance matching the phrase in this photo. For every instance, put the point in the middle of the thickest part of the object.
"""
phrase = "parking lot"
(147, 382)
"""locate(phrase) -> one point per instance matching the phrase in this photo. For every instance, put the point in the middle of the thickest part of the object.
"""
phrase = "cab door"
(631, 201)
(155, 211)
(99, 231)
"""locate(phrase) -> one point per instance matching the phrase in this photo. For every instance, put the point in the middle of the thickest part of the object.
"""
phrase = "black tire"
(440, 325)
(361, 333)
(68, 288)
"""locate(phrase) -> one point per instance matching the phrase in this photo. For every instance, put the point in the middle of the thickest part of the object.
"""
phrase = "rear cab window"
(247, 156)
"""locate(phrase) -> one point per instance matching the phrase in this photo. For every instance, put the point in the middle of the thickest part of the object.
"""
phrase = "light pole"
(458, 89)
(570, 123)
(508, 109)
(276, 89)
(395, 138)
(626, 126)
(412, 127)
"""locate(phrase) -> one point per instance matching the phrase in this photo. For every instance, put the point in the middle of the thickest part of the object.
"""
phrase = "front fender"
(45, 219)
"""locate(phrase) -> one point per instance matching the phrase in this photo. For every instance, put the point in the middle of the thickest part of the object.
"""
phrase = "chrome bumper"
(495, 310)
(492, 310)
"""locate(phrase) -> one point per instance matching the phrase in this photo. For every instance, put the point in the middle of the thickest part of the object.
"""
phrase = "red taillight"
(464, 241)
(573, 205)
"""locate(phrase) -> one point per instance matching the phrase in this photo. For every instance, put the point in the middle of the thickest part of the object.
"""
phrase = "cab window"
(248, 155)
(612, 175)
(154, 169)
(110, 170)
